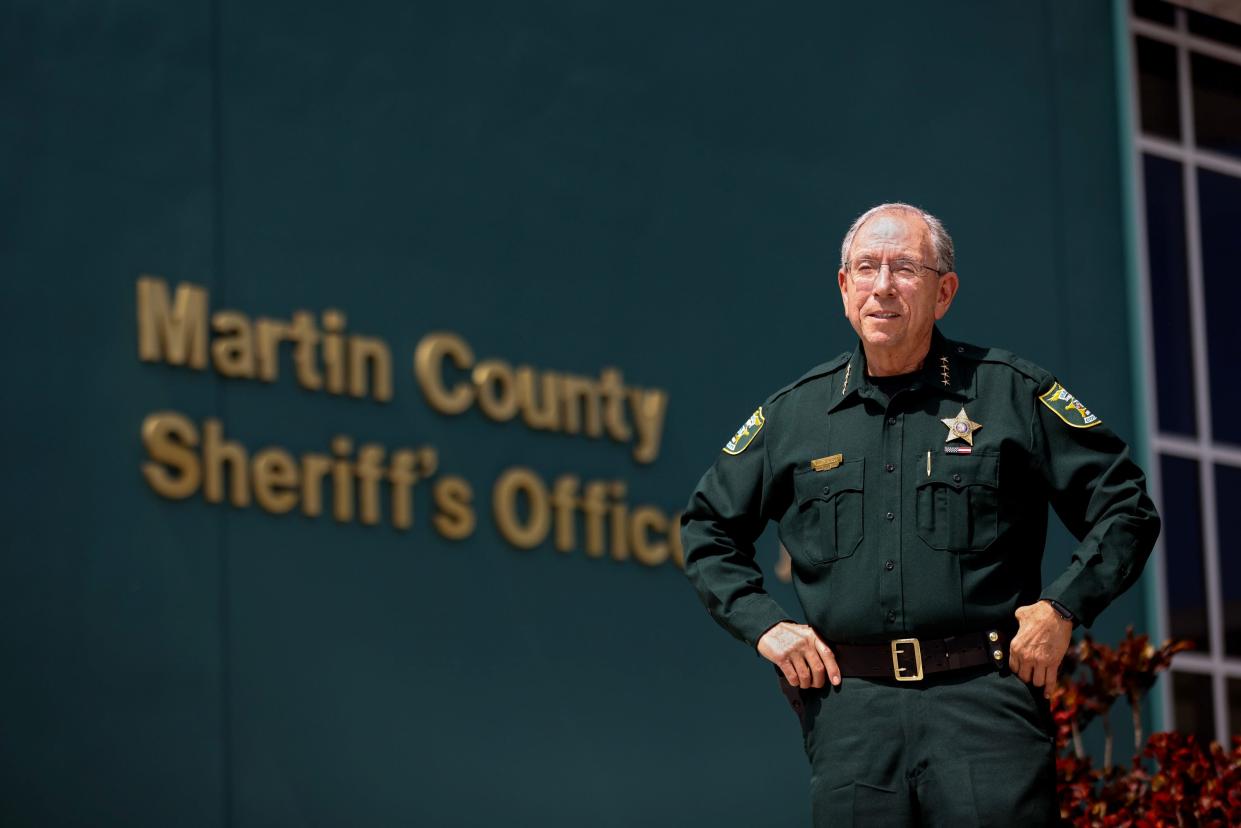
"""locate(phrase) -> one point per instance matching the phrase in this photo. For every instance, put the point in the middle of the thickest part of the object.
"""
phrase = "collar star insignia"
(961, 427)
(943, 367)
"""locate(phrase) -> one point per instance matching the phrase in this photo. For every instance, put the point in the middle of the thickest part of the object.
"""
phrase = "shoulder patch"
(1068, 408)
(746, 434)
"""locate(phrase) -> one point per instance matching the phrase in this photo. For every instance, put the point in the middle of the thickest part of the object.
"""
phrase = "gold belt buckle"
(897, 669)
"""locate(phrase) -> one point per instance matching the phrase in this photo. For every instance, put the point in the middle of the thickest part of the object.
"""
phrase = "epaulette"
(823, 369)
(999, 356)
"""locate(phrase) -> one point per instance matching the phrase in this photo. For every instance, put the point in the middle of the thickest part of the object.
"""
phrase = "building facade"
(359, 361)
(1186, 75)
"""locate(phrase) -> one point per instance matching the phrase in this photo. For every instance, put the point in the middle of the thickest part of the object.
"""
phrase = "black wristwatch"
(1063, 611)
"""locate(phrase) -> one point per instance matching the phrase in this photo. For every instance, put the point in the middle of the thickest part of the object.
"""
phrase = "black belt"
(909, 659)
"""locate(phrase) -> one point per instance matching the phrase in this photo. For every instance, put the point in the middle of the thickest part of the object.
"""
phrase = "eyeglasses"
(866, 271)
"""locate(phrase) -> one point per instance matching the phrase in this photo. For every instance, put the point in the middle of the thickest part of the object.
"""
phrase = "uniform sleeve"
(1100, 495)
(726, 514)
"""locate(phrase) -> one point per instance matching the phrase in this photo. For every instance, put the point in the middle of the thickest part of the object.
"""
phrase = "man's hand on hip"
(799, 652)
(1039, 646)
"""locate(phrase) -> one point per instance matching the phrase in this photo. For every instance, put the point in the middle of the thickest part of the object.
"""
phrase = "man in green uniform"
(910, 480)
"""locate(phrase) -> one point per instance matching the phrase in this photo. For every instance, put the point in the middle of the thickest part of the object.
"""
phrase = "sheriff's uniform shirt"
(922, 514)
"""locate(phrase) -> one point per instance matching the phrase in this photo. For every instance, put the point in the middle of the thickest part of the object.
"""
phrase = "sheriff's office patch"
(1068, 408)
(746, 434)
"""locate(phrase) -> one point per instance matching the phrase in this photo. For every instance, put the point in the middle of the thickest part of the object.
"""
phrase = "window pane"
(1182, 542)
(1157, 97)
(1217, 100)
(1204, 25)
(1154, 10)
(1219, 207)
(1234, 706)
(1191, 705)
(1169, 292)
(1227, 498)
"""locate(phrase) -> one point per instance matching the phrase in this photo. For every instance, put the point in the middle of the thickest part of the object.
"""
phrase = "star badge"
(961, 427)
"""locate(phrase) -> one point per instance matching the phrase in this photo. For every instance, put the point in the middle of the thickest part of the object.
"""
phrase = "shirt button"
(890, 467)
(890, 565)
(827, 489)
(891, 615)
(956, 478)
(890, 516)
(891, 421)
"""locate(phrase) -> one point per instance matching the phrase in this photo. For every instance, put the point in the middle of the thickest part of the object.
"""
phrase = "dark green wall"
(571, 185)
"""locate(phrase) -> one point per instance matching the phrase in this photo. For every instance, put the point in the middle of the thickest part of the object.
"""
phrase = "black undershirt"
(891, 386)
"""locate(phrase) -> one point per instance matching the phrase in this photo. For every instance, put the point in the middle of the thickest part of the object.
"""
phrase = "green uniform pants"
(962, 748)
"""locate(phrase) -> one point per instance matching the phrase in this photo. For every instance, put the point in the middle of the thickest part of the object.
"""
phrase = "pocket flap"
(809, 484)
(961, 470)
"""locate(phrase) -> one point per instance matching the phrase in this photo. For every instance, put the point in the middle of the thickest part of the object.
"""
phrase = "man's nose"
(884, 284)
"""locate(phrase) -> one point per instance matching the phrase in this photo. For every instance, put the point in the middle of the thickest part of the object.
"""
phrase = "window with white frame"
(1186, 75)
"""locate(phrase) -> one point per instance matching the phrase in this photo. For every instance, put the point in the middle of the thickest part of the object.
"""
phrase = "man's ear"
(946, 292)
(842, 279)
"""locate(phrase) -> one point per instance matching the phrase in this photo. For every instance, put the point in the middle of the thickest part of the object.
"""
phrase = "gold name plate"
(827, 463)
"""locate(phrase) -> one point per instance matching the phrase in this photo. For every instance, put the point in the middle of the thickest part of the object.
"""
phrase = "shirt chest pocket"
(829, 511)
(959, 502)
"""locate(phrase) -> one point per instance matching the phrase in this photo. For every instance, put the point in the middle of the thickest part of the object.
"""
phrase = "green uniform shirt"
(892, 528)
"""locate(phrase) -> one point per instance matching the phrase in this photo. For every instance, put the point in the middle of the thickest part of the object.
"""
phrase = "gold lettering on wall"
(428, 368)
(334, 350)
(315, 467)
(275, 480)
(564, 501)
(402, 477)
(618, 521)
(594, 507)
(183, 460)
(454, 518)
(370, 368)
(497, 395)
(369, 471)
(650, 406)
(546, 400)
(579, 400)
(521, 484)
(537, 398)
(174, 332)
(217, 454)
(173, 328)
(305, 337)
(674, 540)
(365, 482)
(647, 519)
(232, 350)
(611, 528)
(173, 469)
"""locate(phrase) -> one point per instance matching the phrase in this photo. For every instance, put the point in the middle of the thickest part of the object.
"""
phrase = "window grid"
(1214, 662)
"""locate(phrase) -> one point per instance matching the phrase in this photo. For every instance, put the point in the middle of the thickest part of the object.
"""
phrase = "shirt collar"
(943, 372)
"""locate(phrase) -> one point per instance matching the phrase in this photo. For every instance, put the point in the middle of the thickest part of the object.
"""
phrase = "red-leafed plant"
(1190, 784)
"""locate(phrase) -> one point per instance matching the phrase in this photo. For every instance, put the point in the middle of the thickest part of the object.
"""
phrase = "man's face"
(890, 314)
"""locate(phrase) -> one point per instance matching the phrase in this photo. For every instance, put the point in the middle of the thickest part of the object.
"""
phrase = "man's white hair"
(945, 256)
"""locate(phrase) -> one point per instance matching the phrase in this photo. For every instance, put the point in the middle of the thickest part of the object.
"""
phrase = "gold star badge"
(961, 427)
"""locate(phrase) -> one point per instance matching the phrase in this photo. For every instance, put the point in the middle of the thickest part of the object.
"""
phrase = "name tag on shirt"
(827, 463)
